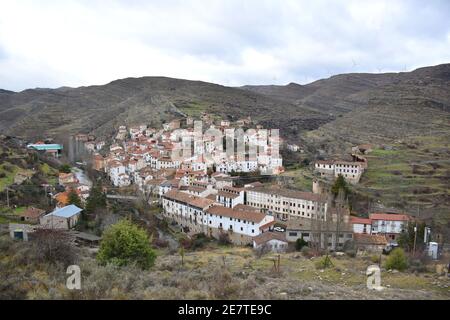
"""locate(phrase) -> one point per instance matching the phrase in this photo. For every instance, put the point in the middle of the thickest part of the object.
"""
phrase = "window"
(253, 231)
(292, 234)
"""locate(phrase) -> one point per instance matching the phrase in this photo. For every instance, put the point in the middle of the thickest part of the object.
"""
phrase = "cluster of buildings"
(143, 156)
(63, 219)
(200, 196)
(89, 142)
(71, 183)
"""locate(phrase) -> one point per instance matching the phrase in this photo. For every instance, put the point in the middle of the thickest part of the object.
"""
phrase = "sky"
(78, 43)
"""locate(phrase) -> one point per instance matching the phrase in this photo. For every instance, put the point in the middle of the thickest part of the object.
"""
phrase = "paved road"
(115, 196)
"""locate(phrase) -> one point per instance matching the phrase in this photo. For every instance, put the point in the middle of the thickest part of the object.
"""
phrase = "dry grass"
(212, 273)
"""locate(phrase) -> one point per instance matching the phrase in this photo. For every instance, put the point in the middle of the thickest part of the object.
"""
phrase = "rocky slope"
(133, 101)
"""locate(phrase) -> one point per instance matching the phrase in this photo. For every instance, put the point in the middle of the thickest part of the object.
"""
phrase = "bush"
(351, 253)
(65, 168)
(397, 260)
(2, 175)
(224, 239)
(306, 252)
(199, 241)
(53, 246)
(375, 258)
(160, 243)
(8, 167)
(300, 243)
(125, 243)
(419, 263)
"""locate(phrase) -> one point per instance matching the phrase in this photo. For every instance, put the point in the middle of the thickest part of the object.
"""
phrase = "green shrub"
(300, 243)
(65, 168)
(199, 241)
(306, 251)
(8, 167)
(375, 258)
(224, 239)
(397, 260)
(351, 253)
(125, 243)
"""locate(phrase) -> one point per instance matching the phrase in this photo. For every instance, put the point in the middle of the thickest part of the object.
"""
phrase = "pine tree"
(74, 199)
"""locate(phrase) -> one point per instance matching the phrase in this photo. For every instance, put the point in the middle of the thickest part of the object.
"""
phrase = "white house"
(118, 175)
(270, 241)
(361, 225)
(351, 171)
(230, 196)
(390, 225)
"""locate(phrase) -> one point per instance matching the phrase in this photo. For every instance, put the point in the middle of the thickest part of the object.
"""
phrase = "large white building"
(200, 215)
(286, 204)
(351, 171)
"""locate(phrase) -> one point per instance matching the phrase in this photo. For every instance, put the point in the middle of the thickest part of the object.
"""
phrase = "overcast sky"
(74, 43)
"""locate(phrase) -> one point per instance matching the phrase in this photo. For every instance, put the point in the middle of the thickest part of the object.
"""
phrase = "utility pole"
(415, 232)
(7, 196)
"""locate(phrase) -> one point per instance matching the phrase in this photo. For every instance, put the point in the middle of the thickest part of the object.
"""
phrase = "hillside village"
(232, 198)
(202, 194)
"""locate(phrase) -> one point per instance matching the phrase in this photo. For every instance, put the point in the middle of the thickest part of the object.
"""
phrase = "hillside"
(405, 116)
(366, 105)
(37, 112)
(347, 92)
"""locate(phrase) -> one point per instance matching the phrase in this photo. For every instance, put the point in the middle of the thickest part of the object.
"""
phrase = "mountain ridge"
(154, 99)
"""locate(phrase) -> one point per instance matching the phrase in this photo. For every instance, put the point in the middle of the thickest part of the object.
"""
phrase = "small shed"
(87, 239)
(272, 241)
(32, 214)
(20, 231)
(62, 218)
(370, 242)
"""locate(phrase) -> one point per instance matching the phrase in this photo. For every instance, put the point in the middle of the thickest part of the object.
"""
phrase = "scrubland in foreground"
(214, 272)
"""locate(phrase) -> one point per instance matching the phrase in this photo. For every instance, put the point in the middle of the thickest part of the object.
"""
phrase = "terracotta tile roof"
(244, 207)
(368, 239)
(32, 212)
(288, 193)
(389, 216)
(211, 197)
(227, 194)
(192, 200)
(359, 220)
(267, 225)
(238, 214)
(267, 236)
(233, 189)
(195, 189)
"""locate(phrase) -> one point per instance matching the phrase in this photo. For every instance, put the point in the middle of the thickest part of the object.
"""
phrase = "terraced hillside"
(100, 109)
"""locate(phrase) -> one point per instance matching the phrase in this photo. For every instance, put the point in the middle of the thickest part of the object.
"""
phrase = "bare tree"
(54, 246)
